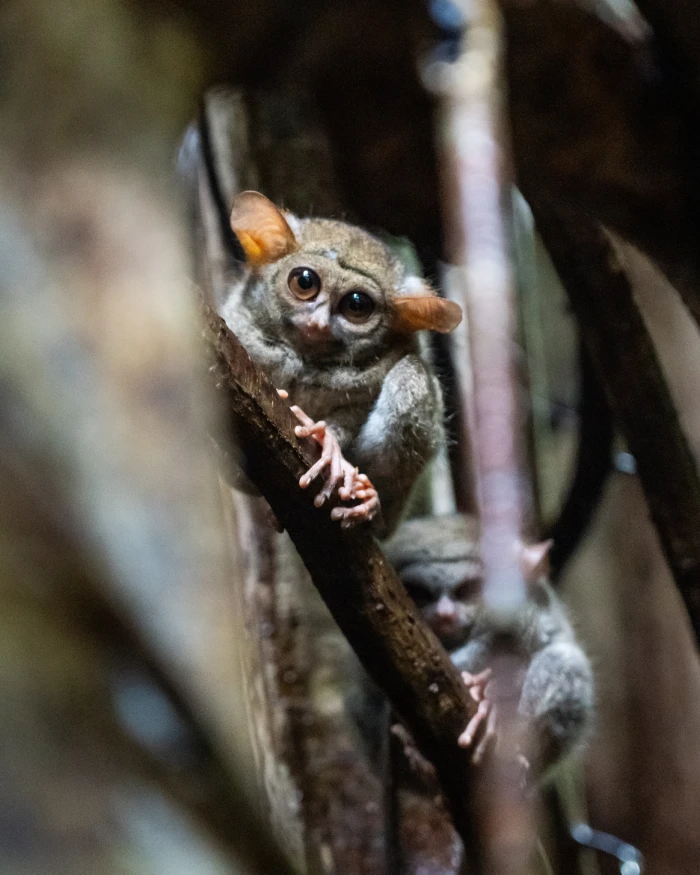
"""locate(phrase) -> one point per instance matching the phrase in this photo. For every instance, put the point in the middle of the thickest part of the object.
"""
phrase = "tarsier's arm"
(557, 701)
(401, 434)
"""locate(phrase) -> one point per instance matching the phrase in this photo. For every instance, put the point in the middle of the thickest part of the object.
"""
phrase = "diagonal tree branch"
(623, 354)
(354, 579)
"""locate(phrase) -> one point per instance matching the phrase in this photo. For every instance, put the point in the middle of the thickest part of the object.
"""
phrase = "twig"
(350, 572)
(623, 354)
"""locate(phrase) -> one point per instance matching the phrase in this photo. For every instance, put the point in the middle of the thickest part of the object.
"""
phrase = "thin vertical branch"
(477, 170)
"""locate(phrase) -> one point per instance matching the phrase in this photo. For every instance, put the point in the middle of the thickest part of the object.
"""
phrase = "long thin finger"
(347, 490)
(318, 429)
(314, 471)
(333, 475)
(477, 683)
(301, 416)
(481, 679)
(283, 393)
(356, 519)
(365, 494)
(466, 738)
(359, 513)
(487, 738)
(336, 470)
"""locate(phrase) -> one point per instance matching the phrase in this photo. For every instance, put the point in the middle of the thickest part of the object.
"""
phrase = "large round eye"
(356, 306)
(420, 594)
(467, 590)
(304, 283)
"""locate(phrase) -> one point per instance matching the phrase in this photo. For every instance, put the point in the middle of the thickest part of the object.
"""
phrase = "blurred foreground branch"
(624, 357)
(200, 782)
(477, 165)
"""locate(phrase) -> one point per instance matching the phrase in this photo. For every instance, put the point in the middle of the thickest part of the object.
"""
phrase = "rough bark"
(308, 696)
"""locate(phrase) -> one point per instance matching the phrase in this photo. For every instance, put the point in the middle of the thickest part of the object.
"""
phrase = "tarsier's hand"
(342, 476)
(363, 491)
(479, 688)
(486, 712)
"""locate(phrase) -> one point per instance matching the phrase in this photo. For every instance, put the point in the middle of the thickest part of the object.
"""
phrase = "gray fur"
(437, 556)
(370, 385)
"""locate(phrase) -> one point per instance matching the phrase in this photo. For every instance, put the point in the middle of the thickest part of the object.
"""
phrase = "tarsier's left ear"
(263, 231)
(425, 311)
(534, 560)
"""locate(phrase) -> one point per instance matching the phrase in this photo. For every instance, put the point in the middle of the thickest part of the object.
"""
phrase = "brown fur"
(367, 381)
(437, 559)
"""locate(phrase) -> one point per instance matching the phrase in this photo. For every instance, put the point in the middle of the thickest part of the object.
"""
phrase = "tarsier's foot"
(485, 713)
(342, 476)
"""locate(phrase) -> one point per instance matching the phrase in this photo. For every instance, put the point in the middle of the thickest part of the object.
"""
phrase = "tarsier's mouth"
(451, 633)
(313, 334)
(314, 343)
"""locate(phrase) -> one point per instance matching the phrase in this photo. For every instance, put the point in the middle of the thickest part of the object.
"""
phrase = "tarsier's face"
(449, 608)
(437, 559)
(327, 289)
(331, 295)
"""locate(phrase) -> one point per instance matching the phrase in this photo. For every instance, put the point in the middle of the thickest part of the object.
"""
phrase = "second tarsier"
(331, 315)
(438, 561)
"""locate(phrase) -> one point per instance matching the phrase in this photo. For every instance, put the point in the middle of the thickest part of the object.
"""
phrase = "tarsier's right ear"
(422, 310)
(263, 231)
(534, 560)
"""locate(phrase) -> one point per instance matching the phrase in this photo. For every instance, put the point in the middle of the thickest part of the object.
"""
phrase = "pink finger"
(487, 740)
(333, 477)
(301, 416)
(314, 471)
(316, 429)
(466, 738)
(348, 490)
(361, 513)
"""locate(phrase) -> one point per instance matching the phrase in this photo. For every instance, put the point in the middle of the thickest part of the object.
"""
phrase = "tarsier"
(331, 316)
(437, 559)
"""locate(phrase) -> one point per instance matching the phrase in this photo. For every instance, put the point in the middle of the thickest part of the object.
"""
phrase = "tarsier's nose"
(445, 608)
(317, 328)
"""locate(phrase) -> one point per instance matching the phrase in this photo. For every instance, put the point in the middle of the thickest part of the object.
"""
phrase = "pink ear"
(261, 228)
(425, 312)
(534, 560)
